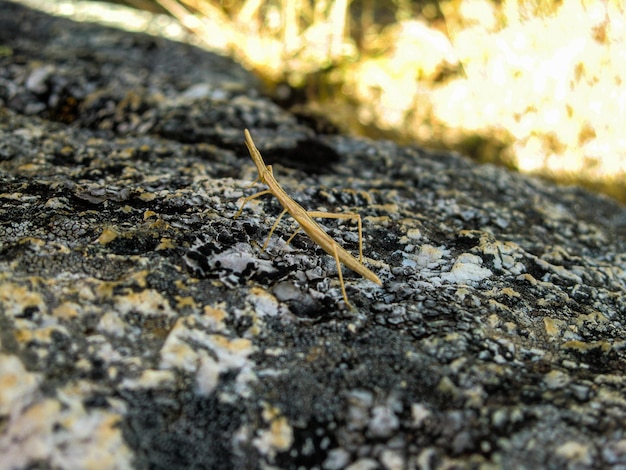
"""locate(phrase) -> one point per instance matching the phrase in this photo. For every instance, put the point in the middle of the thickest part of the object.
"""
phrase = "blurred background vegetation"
(535, 85)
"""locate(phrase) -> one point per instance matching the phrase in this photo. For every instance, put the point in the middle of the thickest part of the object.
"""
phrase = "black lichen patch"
(133, 244)
(310, 156)
(180, 430)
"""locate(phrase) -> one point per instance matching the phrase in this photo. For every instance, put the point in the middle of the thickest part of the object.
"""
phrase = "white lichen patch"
(554, 327)
(213, 318)
(149, 379)
(430, 256)
(278, 437)
(146, 302)
(337, 459)
(383, 422)
(234, 263)
(575, 453)
(27, 332)
(231, 355)
(207, 355)
(176, 352)
(286, 290)
(506, 255)
(419, 414)
(208, 373)
(109, 355)
(467, 269)
(67, 311)
(111, 323)
(555, 379)
(30, 434)
(16, 298)
(265, 304)
(364, 464)
(392, 460)
(17, 386)
(64, 434)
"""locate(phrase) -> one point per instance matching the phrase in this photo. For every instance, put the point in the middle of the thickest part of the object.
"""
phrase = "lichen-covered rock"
(141, 326)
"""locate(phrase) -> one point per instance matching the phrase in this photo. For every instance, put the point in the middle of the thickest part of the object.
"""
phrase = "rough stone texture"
(142, 327)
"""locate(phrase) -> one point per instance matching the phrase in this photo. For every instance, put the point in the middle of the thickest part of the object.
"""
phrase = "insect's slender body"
(306, 222)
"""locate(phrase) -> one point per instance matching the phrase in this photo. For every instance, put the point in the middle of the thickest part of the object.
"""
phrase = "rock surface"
(141, 326)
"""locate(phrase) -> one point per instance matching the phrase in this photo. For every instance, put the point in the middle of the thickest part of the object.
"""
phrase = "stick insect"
(306, 222)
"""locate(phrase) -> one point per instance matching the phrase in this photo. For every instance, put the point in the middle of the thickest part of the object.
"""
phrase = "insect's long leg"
(343, 286)
(250, 198)
(293, 235)
(257, 180)
(273, 228)
(344, 215)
